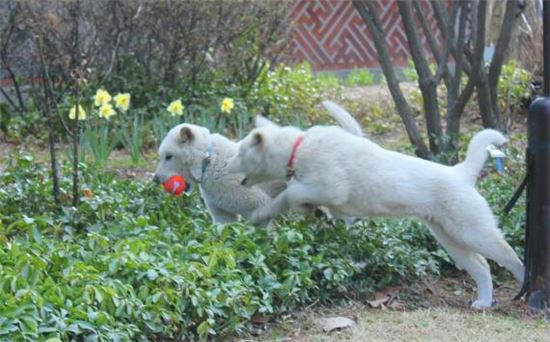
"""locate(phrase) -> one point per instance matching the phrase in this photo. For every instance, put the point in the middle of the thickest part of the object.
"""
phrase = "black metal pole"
(546, 42)
(537, 238)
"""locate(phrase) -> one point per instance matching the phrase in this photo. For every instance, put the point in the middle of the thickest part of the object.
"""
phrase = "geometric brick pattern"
(331, 35)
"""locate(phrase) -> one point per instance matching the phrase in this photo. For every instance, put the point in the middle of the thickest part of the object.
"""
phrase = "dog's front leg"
(271, 209)
(296, 195)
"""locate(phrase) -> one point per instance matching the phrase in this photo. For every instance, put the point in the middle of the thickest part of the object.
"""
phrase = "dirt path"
(433, 309)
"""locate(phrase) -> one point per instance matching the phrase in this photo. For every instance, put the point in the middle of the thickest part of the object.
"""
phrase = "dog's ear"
(186, 134)
(258, 140)
(260, 121)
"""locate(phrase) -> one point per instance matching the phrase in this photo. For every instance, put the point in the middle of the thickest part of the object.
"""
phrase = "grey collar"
(207, 158)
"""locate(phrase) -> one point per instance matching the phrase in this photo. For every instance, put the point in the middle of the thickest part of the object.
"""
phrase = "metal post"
(537, 239)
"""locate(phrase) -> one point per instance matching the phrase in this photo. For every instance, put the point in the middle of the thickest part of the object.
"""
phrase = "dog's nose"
(243, 182)
(156, 179)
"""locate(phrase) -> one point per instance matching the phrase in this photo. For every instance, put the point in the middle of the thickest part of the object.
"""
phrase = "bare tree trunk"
(46, 111)
(465, 43)
(514, 8)
(488, 117)
(5, 63)
(367, 12)
(455, 102)
(426, 81)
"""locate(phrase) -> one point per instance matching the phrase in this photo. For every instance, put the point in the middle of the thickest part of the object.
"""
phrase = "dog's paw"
(482, 304)
(260, 217)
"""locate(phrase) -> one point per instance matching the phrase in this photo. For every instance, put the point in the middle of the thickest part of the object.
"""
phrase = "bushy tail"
(344, 118)
(477, 152)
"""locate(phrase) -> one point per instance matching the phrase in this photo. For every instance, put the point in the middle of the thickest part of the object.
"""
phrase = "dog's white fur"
(183, 151)
(225, 197)
(353, 176)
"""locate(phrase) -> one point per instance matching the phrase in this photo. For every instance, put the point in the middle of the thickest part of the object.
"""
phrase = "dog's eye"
(168, 157)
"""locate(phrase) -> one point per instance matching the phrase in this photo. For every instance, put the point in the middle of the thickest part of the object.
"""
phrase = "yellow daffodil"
(106, 111)
(175, 108)
(122, 101)
(102, 97)
(81, 113)
(227, 105)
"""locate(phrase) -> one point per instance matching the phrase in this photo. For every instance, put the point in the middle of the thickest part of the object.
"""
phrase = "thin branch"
(8, 98)
(5, 64)
(367, 11)
(430, 36)
(425, 77)
(457, 100)
(446, 26)
(488, 117)
(514, 8)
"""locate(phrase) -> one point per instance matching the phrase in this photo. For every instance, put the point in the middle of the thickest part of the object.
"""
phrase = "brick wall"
(330, 34)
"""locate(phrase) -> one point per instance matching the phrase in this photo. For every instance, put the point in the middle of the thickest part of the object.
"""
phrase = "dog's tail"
(344, 118)
(477, 152)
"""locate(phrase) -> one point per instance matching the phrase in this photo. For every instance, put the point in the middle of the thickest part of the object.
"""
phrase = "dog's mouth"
(189, 188)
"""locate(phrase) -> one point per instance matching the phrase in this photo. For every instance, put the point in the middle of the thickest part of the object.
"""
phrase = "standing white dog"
(202, 158)
(353, 176)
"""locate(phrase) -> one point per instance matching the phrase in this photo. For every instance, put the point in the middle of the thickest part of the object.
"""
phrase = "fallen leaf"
(332, 323)
(398, 305)
(258, 319)
(379, 301)
(429, 287)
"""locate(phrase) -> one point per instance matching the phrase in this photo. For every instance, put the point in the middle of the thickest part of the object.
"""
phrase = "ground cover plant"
(132, 263)
(108, 256)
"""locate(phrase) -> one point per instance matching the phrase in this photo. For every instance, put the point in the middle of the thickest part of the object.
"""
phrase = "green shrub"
(288, 95)
(328, 80)
(410, 71)
(133, 263)
(513, 86)
(360, 77)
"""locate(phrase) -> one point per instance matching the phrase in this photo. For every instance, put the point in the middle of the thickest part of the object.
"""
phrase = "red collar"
(290, 165)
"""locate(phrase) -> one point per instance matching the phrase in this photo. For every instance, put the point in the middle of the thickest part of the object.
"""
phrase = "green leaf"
(152, 274)
(29, 324)
(37, 236)
(203, 329)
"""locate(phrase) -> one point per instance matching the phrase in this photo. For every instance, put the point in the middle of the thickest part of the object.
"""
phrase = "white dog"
(353, 176)
(202, 158)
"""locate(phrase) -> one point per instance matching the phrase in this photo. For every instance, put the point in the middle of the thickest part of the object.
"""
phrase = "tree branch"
(12, 23)
(429, 35)
(478, 69)
(367, 12)
(425, 79)
(446, 26)
(514, 8)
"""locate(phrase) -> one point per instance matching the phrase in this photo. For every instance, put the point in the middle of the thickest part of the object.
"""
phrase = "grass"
(437, 309)
(439, 324)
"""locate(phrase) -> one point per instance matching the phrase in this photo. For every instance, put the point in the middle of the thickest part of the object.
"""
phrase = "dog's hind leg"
(490, 243)
(479, 232)
(472, 262)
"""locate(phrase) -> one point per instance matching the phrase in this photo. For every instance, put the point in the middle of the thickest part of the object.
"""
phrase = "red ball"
(175, 185)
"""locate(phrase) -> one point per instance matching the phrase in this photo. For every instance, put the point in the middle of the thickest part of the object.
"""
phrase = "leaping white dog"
(353, 176)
